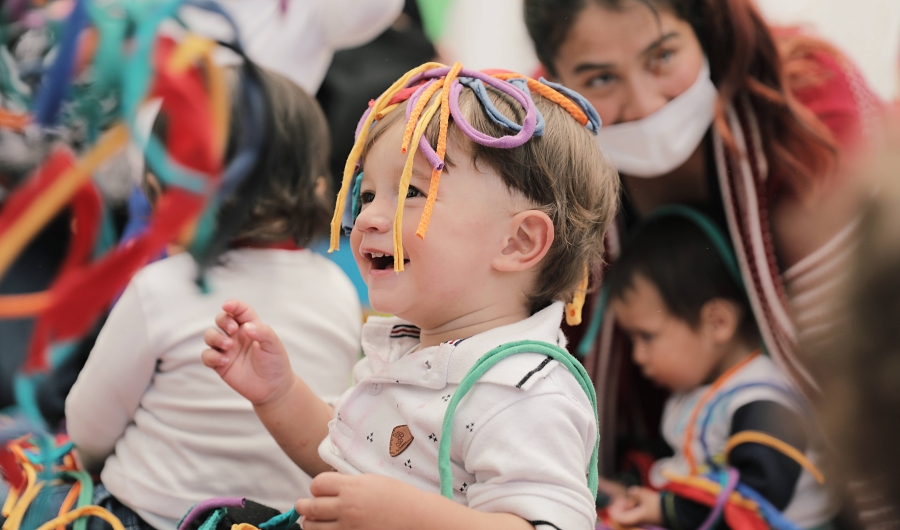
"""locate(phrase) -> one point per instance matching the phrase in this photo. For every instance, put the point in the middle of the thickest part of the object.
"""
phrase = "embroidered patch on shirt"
(400, 439)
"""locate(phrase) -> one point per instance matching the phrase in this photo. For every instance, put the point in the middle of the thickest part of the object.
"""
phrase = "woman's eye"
(661, 59)
(601, 80)
(366, 197)
(414, 192)
(646, 337)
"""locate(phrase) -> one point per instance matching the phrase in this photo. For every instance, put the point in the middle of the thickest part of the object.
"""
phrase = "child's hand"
(611, 488)
(641, 506)
(360, 501)
(248, 355)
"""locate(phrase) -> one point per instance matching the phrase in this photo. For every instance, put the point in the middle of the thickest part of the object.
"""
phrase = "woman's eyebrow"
(657, 43)
(587, 66)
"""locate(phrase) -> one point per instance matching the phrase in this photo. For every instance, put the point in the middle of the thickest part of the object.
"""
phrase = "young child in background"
(164, 431)
(675, 291)
(511, 236)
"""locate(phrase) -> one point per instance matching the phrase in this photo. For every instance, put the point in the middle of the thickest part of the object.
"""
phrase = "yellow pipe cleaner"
(779, 445)
(440, 151)
(709, 486)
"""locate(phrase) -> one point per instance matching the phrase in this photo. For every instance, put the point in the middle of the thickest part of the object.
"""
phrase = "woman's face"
(628, 62)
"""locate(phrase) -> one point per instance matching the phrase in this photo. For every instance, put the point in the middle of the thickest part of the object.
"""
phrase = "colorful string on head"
(442, 85)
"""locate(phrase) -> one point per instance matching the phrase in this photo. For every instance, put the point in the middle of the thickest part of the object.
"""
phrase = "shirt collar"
(388, 341)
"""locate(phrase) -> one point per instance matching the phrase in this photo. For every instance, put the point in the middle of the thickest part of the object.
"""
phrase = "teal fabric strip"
(485, 363)
(282, 521)
(593, 329)
(213, 520)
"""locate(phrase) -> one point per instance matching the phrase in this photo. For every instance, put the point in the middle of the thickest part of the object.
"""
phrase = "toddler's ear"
(527, 242)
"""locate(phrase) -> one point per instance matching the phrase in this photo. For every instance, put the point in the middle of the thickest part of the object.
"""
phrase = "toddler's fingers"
(263, 334)
(216, 340)
(320, 525)
(327, 484)
(213, 359)
(319, 508)
(242, 312)
(226, 323)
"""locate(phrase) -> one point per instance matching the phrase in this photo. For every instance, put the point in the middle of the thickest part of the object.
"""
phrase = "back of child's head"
(560, 172)
(687, 269)
(285, 196)
(295, 203)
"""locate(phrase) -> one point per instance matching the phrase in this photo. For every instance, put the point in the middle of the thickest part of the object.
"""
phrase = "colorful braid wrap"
(443, 84)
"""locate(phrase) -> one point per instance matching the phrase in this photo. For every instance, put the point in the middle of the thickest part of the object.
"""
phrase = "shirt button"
(374, 388)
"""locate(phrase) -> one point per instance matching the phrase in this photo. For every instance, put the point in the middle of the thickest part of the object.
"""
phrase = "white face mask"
(663, 141)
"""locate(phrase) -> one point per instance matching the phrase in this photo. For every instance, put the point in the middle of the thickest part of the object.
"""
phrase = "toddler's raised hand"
(247, 354)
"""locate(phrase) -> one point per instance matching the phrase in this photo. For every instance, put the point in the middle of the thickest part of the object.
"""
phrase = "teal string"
(485, 363)
(281, 521)
(213, 520)
(593, 329)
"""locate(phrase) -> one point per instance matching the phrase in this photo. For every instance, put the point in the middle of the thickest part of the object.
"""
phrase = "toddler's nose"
(375, 217)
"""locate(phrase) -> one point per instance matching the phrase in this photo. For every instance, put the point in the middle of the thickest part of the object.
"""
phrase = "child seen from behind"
(676, 292)
(512, 229)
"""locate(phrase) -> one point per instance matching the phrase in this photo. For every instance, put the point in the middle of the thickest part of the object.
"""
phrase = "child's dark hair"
(293, 203)
(687, 269)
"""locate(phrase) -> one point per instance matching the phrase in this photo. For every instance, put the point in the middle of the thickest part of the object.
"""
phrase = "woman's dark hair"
(744, 60)
(286, 195)
(680, 260)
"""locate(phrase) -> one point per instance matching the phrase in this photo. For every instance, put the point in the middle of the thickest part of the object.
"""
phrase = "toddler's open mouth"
(381, 261)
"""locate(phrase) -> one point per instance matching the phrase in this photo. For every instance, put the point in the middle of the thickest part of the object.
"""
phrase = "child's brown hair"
(562, 172)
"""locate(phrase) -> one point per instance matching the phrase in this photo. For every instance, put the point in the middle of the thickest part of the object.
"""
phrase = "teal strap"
(593, 329)
(282, 521)
(85, 496)
(485, 363)
(213, 520)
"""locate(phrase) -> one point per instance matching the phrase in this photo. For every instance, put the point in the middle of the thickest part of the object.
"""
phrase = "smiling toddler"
(478, 203)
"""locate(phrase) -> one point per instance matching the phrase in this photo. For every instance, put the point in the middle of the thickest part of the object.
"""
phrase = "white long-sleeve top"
(170, 431)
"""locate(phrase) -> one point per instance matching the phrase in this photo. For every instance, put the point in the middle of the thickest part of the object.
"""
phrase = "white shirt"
(300, 43)
(170, 431)
(812, 504)
(521, 439)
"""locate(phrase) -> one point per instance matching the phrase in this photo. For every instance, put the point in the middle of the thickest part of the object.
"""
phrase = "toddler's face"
(448, 275)
(669, 351)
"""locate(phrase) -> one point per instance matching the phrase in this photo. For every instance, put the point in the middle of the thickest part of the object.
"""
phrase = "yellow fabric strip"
(781, 446)
(404, 183)
(380, 105)
(17, 513)
(573, 308)
(243, 526)
(387, 110)
(441, 150)
(44, 207)
(84, 511)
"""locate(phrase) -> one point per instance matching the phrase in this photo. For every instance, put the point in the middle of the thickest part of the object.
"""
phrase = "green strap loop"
(485, 363)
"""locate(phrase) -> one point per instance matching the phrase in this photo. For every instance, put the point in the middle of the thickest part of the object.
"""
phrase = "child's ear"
(721, 319)
(527, 242)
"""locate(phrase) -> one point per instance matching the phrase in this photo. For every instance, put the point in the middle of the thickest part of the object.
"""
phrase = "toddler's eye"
(414, 192)
(366, 197)
(601, 80)
(646, 337)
